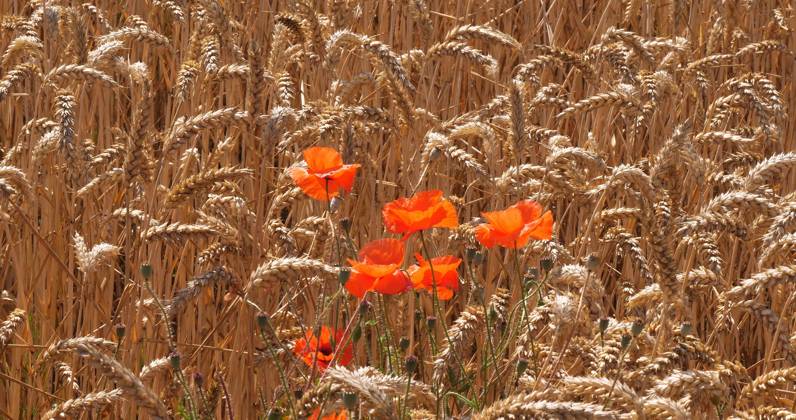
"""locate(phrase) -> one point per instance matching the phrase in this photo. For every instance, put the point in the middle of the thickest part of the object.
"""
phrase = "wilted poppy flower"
(426, 209)
(320, 350)
(514, 226)
(378, 269)
(324, 174)
(316, 415)
(445, 274)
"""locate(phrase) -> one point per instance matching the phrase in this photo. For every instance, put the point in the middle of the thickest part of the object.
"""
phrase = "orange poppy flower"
(325, 174)
(426, 209)
(320, 350)
(445, 274)
(378, 269)
(316, 415)
(514, 226)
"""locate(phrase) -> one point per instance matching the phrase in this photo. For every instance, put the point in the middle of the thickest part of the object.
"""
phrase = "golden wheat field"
(420, 209)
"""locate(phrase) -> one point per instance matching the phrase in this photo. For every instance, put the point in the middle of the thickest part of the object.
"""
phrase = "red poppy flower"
(378, 269)
(320, 350)
(445, 274)
(325, 174)
(514, 226)
(316, 415)
(426, 209)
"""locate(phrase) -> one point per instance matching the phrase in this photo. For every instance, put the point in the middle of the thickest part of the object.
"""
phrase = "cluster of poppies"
(378, 268)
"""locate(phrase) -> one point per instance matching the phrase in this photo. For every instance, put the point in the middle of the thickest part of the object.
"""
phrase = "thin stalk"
(282, 377)
(187, 392)
(406, 396)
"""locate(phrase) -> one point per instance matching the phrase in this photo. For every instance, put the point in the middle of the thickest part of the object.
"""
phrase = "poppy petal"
(543, 228)
(448, 218)
(358, 284)
(383, 251)
(392, 284)
(344, 177)
(506, 222)
(484, 233)
(373, 270)
(312, 185)
(531, 210)
(443, 293)
(322, 159)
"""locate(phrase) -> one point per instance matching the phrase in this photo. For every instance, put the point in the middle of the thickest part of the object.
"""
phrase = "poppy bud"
(492, 314)
(345, 223)
(350, 401)
(357, 333)
(120, 330)
(685, 329)
(411, 364)
(636, 328)
(592, 262)
(364, 306)
(403, 343)
(262, 320)
(626, 341)
(343, 276)
(478, 258)
(275, 414)
(469, 254)
(431, 321)
(546, 264)
(603, 325)
(335, 204)
(174, 360)
(198, 379)
(522, 365)
(146, 270)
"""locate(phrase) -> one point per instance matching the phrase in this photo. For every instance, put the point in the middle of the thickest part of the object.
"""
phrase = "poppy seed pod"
(546, 264)
(198, 379)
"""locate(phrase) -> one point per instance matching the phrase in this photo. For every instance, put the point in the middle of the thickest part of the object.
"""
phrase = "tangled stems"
(264, 323)
(436, 307)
